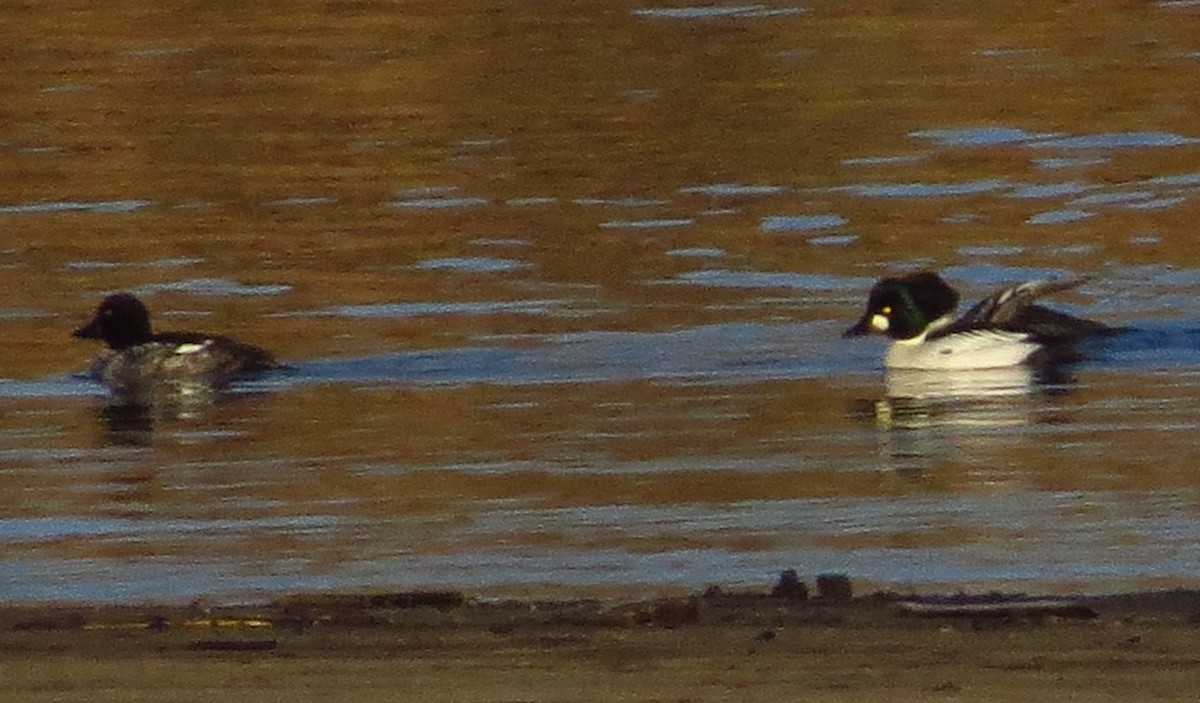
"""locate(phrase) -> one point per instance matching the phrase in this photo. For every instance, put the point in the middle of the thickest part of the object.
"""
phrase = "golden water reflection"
(561, 284)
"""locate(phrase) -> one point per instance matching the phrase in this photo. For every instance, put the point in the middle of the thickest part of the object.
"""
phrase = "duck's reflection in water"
(977, 397)
(124, 424)
(933, 413)
(134, 422)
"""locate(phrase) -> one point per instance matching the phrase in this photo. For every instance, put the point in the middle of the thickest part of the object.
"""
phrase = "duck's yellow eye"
(885, 310)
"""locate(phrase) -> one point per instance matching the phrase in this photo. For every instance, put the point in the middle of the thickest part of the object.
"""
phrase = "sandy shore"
(717, 646)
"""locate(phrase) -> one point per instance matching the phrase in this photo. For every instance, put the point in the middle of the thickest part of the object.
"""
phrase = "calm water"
(561, 292)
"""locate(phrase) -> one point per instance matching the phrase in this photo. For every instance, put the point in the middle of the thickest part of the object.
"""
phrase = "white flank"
(984, 349)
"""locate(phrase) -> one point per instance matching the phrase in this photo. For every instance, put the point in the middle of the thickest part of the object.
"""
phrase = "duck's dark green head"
(904, 306)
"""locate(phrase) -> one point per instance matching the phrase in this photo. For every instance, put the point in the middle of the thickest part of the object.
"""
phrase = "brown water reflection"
(561, 287)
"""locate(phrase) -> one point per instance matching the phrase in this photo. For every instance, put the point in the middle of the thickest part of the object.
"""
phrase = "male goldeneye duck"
(140, 363)
(1005, 329)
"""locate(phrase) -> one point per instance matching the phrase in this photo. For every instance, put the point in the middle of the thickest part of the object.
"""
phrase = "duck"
(916, 311)
(139, 363)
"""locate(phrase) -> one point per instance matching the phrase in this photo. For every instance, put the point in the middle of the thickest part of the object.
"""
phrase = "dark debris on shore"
(788, 602)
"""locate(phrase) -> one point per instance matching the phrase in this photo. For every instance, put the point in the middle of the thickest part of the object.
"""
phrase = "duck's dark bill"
(89, 331)
(862, 327)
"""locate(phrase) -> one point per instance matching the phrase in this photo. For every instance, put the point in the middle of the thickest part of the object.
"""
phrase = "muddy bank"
(445, 646)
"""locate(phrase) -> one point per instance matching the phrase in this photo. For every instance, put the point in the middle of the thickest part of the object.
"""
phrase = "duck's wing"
(1012, 309)
(229, 357)
(1006, 306)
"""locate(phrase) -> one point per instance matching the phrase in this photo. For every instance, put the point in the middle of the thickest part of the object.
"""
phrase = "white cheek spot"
(879, 323)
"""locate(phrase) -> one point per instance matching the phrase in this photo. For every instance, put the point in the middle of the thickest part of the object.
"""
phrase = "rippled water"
(562, 303)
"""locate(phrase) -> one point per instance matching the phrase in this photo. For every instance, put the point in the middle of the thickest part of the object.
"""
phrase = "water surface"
(561, 291)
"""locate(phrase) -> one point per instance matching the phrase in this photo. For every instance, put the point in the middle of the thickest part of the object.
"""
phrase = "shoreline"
(552, 593)
(752, 644)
